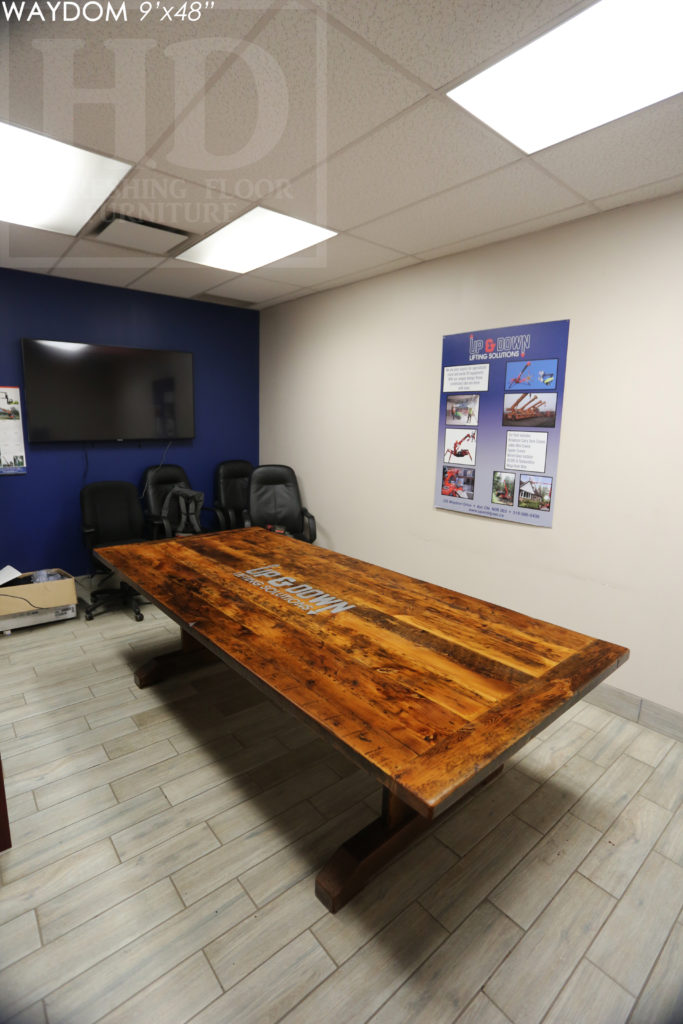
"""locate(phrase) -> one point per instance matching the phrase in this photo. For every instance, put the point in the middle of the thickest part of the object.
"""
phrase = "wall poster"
(12, 452)
(499, 421)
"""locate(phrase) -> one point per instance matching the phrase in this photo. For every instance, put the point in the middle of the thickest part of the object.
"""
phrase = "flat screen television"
(80, 392)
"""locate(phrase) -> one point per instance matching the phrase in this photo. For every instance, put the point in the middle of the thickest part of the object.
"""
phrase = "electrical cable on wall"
(163, 459)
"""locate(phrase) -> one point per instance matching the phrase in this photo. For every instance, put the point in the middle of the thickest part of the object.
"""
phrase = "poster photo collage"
(529, 409)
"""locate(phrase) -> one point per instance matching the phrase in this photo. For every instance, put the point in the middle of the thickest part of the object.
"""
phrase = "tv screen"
(78, 392)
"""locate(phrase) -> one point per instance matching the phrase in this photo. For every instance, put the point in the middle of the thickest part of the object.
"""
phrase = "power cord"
(18, 597)
(163, 459)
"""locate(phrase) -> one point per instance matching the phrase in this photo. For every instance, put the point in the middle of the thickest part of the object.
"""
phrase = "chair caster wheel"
(88, 616)
(138, 616)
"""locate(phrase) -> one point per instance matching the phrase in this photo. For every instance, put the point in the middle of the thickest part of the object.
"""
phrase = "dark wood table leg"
(356, 860)
(190, 656)
(359, 858)
(5, 838)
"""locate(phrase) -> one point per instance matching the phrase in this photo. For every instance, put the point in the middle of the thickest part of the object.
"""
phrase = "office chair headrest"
(274, 474)
(167, 474)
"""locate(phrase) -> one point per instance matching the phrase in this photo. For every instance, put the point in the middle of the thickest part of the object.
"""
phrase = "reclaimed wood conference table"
(428, 689)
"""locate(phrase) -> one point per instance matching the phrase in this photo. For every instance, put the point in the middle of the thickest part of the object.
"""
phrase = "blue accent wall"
(39, 510)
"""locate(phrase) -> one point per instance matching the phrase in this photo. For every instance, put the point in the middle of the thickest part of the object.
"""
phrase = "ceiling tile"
(513, 231)
(440, 40)
(639, 149)
(103, 264)
(428, 149)
(276, 302)
(162, 199)
(642, 194)
(95, 273)
(509, 196)
(369, 272)
(180, 279)
(24, 248)
(297, 92)
(338, 257)
(252, 289)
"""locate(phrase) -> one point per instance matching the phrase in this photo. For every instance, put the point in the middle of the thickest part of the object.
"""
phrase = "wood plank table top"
(430, 690)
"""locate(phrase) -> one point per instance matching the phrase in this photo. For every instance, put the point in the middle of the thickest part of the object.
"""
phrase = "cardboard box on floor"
(24, 602)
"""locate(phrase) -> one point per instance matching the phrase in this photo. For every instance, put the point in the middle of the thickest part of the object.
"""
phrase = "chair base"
(103, 600)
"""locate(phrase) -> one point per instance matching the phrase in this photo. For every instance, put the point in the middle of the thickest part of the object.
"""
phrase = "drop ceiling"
(333, 112)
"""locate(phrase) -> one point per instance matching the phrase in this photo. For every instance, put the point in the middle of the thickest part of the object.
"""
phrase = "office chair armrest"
(238, 518)
(228, 518)
(88, 536)
(309, 531)
(157, 527)
(219, 513)
(235, 521)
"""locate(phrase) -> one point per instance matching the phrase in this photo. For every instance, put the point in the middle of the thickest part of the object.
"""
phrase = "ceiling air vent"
(139, 234)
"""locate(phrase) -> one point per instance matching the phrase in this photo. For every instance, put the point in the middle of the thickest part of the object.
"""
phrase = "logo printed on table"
(310, 599)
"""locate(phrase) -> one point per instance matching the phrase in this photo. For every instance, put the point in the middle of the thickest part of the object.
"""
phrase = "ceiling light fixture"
(50, 185)
(610, 60)
(257, 238)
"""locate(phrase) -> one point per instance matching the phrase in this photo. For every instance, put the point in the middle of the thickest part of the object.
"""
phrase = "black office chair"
(173, 507)
(274, 502)
(231, 492)
(110, 514)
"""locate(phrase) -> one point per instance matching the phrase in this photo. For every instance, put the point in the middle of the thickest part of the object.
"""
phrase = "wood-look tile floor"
(165, 843)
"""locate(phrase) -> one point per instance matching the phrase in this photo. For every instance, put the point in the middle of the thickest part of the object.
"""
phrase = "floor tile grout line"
(95, 963)
(604, 925)
(73, 823)
(652, 968)
(491, 1000)
(525, 932)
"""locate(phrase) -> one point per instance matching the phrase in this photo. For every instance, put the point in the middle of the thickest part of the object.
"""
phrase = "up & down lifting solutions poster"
(500, 412)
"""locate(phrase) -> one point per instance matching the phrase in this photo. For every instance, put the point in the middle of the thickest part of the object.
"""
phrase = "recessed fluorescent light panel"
(254, 240)
(616, 57)
(51, 185)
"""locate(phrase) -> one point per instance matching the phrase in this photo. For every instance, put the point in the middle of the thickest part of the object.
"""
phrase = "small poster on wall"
(500, 411)
(12, 452)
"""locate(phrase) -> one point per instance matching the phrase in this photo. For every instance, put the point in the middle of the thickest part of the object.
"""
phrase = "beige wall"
(349, 396)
